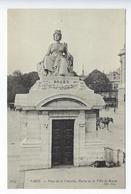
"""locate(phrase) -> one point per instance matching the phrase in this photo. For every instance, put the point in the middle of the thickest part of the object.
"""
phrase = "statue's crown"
(57, 31)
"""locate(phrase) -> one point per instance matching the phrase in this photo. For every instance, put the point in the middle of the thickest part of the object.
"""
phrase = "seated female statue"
(58, 61)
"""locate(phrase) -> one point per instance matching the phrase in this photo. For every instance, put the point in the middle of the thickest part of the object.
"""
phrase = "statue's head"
(57, 35)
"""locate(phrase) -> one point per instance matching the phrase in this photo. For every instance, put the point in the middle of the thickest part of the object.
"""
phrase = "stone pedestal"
(58, 98)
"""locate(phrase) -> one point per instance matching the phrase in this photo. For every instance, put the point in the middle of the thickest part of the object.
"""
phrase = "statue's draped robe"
(56, 59)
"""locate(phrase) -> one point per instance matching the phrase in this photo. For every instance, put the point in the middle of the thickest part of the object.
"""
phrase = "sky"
(94, 37)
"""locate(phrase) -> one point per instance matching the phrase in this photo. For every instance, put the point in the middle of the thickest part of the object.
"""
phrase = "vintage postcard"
(66, 98)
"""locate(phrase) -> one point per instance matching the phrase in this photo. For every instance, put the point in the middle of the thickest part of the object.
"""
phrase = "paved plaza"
(75, 177)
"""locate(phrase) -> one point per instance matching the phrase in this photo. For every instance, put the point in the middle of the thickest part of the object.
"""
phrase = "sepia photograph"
(66, 98)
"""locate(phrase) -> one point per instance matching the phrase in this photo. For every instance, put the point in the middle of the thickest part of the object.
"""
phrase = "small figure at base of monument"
(57, 61)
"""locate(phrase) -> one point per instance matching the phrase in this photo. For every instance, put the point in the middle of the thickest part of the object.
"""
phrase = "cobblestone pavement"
(115, 136)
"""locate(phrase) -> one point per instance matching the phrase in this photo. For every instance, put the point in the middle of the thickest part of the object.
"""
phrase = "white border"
(4, 5)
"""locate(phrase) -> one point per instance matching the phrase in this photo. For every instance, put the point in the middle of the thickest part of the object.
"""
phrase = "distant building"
(122, 54)
(114, 78)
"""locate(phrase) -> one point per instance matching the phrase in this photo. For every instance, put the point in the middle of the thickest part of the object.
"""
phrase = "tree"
(19, 83)
(98, 82)
(17, 73)
(28, 80)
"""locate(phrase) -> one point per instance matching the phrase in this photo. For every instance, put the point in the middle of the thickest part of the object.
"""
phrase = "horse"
(103, 122)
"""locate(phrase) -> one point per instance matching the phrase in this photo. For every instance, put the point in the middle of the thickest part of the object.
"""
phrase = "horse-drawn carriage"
(103, 122)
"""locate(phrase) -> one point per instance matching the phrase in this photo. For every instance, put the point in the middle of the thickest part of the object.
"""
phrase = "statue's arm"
(65, 49)
(70, 59)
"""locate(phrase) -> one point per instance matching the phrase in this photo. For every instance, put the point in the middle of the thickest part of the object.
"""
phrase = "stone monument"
(57, 61)
(57, 118)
